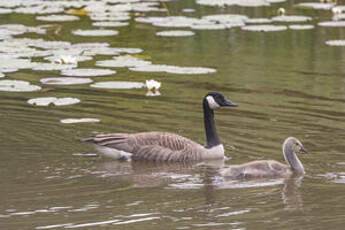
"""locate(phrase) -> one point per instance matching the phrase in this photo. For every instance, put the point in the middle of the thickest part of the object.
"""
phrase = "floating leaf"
(95, 32)
(332, 24)
(264, 28)
(245, 3)
(52, 66)
(173, 69)
(315, 5)
(335, 42)
(123, 61)
(209, 27)
(118, 85)
(87, 72)
(110, 24)
(65, 80)
(301, 27)
(41, 8)
(225, 18)
(258, 20)
(17, 86)
(175, 33)
(46, 101)
(5, 11)
(90, 45)
(78, 120)
(188, 10)
(291, 18)
(7, 70)
(57, 18)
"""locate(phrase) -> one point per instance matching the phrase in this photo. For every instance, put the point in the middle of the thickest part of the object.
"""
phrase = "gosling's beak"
(229, 103)
(303, 150)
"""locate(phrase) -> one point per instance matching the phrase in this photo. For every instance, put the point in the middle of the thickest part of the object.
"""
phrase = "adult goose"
(164, 146)
(270, 168)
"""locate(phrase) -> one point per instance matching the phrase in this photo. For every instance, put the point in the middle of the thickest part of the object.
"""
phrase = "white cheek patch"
(212, 103)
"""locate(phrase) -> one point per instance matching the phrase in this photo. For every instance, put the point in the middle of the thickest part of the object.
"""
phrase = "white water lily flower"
(281, 11)
(153, 85)
(66, 59)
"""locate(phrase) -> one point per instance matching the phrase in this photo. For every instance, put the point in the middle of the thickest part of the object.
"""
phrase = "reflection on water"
(291, 196)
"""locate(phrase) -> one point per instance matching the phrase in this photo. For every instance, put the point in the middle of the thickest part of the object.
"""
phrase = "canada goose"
(163, 146)
(270, 168)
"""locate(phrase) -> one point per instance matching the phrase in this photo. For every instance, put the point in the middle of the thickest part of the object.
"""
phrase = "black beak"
(229, 103)
(303, 150)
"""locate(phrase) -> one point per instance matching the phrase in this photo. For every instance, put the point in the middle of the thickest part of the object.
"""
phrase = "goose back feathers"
(163, 146)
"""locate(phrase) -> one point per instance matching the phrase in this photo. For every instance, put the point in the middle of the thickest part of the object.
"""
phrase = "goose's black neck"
(210, 126)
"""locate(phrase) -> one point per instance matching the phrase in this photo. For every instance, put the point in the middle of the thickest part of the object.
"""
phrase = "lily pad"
(6, 70)
(332, 24)
(335, 42)
(226, 18)
(209, 27)
(264, 28)
(244, 3)
(188, 10)
(258, 20)
(95, 32)
(301, 27)
(78, 120)
(87, 72)
(5, 11)
(315, 5)
(173, 69)
(175, 33)
(57, 18)
(110, 24)
(52, 66)
(65, 81)
(123, 61)
(40, 9)
(91, 44)
(17, 86)
(118, 85)
(110, 51)
(46, 101)
(291, 18)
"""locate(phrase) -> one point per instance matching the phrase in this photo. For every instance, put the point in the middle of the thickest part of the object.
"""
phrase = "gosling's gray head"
(215, 100)
(292, 144)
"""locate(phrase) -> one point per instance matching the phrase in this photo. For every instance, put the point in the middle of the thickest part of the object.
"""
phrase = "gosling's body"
(270, 168)
(163, 146)
(257, 169)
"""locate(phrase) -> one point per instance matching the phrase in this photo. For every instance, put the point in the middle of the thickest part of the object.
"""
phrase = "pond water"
(286, 83)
